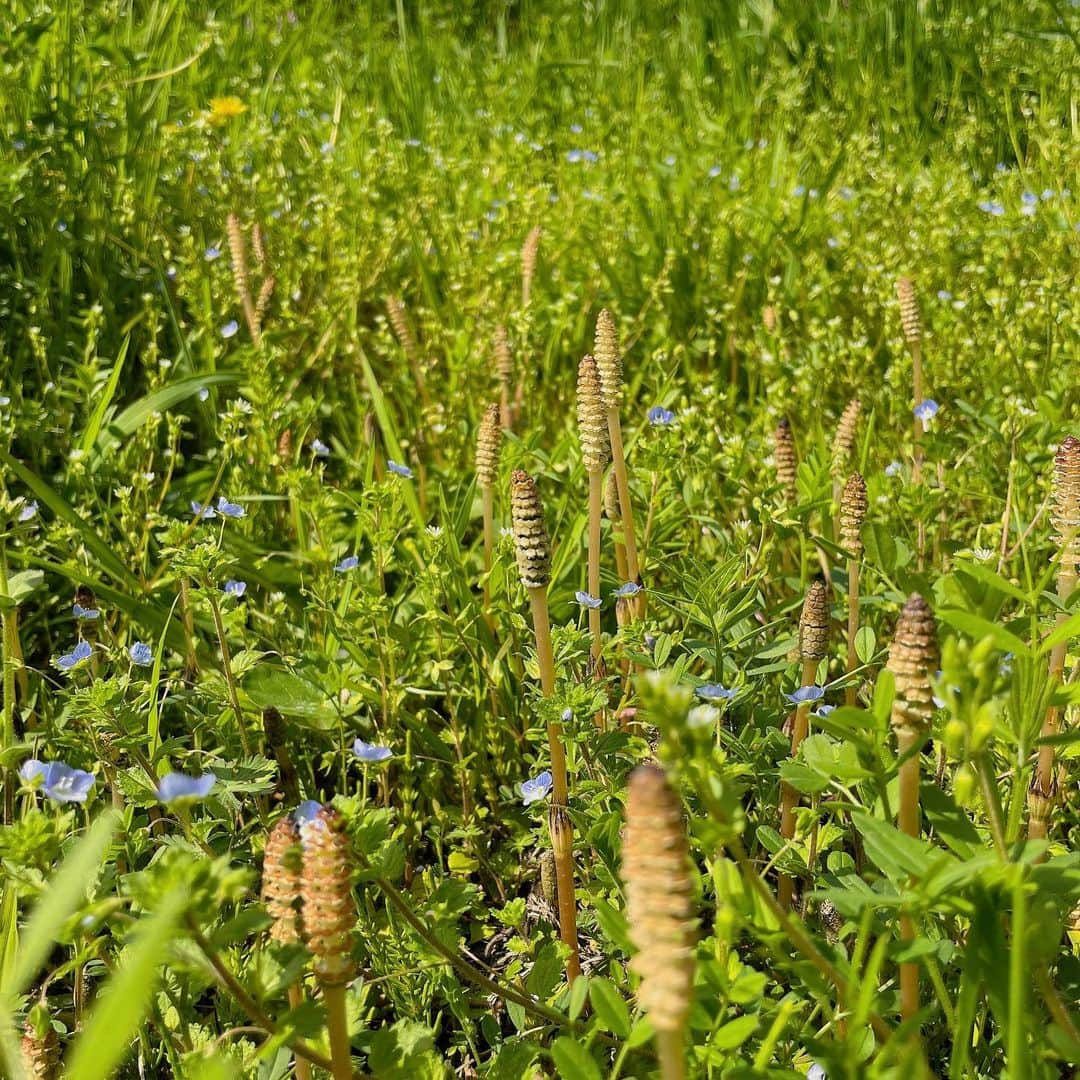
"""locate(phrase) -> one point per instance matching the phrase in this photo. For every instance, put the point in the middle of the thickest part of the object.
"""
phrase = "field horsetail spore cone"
(786, 462)
(399, 322)
(913, 657)
(1066, 521)
(504, 370)
(241, 280)
(609, 364)
(853, 506)
(529, 251)
(40, 1047)
(329, 915)
(659, 910)
(813, 646)
(488, 444)
(911, 324)
(843, 445)
(595, 450)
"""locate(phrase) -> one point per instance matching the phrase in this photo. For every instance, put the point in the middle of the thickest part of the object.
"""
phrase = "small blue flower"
(306, 811)
(29, 511)
(798, 191)
(81, 612)
(1005, 667)
(714, 172)
(715, 692)
(893, 468)
(350, 562)
(229, 329)
(576, 129)
(204, 512)
(1029, 198)
(319, 448)
(824, 710)
(212, 253)
(234, 588)
(926, 410)
(81, 652)
(400, 470)
(175, 786)
(230, 509)
(805, 694)
(659, 416)
(371, 751)
(630, 588)
(944, 295)
(816, 1072)
(141, 654)
(203, 393)
(993, 208)
(59, 782)
(585, 600)
(847, 194)
(4, 400)
(535, 789)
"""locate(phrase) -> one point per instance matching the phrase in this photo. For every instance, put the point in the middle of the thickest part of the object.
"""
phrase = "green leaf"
(292, 695)
(573, 1061)
(735, 1032)
(865, 643)
(611, 1010)
(106, 1037)
(1069, 629)
(20, 586)
(977, 628)
(880, 546)
(105, 398)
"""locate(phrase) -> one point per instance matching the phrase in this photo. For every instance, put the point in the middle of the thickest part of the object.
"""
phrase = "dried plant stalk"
(609, 365)
(1042, 794)
(656, 874)
(813, 646)
(595, 448)
(241, 281)
(913, 656)
(488, 446)
(504, 369)
(785, 461)
(853, 506)
(562, 847)
(529, 252)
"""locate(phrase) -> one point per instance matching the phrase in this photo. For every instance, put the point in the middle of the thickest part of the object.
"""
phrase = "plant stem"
(851, 691)
(622, 482)
(672, 1055)
(908, 743)
(545, 657)
(296, 999)
(916, 469)
(487, 497)
(226, 663)
(596, 500)
(7, 657)
(337, 1026)
(789, 797)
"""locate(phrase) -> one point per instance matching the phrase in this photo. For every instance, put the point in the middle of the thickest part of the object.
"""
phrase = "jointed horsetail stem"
(853, 507)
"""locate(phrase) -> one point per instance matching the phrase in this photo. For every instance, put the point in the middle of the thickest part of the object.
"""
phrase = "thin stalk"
(908, 743)
(337, 1027)
(562, 845)
(7, 657)
(789, 797)
(226, 663)
(487, 497)
(546, 658)
(296, 999)
(672, 1054)
(622, 482)
(851, 691)
(917, 464)
(1016, 1053)
(596, 500)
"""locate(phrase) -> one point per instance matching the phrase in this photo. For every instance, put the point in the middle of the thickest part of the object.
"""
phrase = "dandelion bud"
(402, 331)
(329, 911)
(853, 506)
(910, 319)
(592, 423)
(488, 440)
(656, 874)
(504, 359)
(1066, 511)
(844, 441)
(40, 1046)
(784, 457)
(611, 499)
(237, 255)
(814, 623)
(281, 881)
(529, 252)
(608, 360)
(532, 546)
(913, 656)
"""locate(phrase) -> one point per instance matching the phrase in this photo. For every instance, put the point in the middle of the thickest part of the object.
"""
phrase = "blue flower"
(203, 393)
(350, 562)
(893, 468)
(29, 511)
(805, 694)
(798, 191)
(944, 295)
(234, 588)
(926, 410)
(230, 509)
(535, 789)
(715, 692)
(585, 600)
(59, 782)
(659, 416)
(141, 654)
(174, 786)
(994, 208)
(1029, 198)
(816, 1072)
(306, 811)
(319, 448)
(371, 752)
(81, 612)
(824, 710)
(81, 652)
(212, 253)
(631, 588)
(229, 329)
(400, 470)
(204, 512)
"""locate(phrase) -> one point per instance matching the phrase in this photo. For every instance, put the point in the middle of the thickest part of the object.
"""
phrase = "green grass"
(742, 185)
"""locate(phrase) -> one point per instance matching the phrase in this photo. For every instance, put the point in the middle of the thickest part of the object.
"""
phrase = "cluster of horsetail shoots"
(609, 364)
(813, 645)
(329, 915)
(488, 444)
(504, 370)
(595, 448)
(532, 549)
(853, 506)
(1066, 521)
(659, 905)
(786, 462)
(911, 323)
(254, 309)
(913, 657)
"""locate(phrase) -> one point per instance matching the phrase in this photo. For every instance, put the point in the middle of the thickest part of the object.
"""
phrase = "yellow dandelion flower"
(223, 109)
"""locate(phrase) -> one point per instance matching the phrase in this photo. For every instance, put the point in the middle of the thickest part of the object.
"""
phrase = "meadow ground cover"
(539, 539)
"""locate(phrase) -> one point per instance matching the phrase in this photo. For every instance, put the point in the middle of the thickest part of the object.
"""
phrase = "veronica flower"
(368, 752)
(29, 511)
(926, 410)
(81, 652)
(230, 509)
(306, 811)
(204, 512)
(229, 329)
(59, 782)
(212, 253)
(350, 562)
(816, 1072)
(703, 716)
(585, 600)
(400, 470)
(81, 612)
(824, 710)
(141, 654)
(994, 208)
(715, 692)
(805, 694)
(535, 789)
(234, 588)
(204, 393)
(631, 588)
(319, 448)
(659, 416)
(893, 468)
(175, 786)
